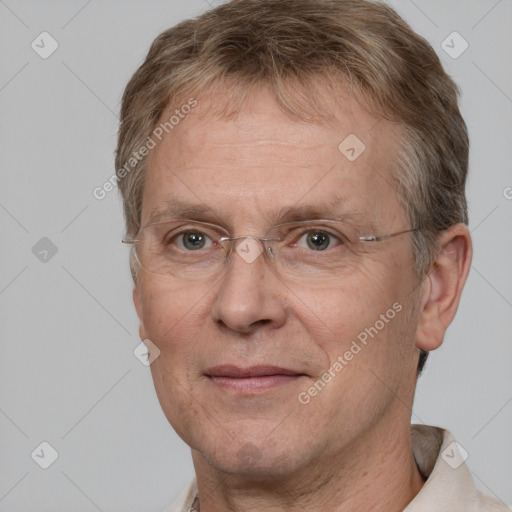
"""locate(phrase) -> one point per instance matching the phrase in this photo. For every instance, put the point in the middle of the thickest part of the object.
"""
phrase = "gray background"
(68, 375)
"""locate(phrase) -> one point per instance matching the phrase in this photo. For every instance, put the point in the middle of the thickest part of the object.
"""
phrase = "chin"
(256, 458)
(262, 470)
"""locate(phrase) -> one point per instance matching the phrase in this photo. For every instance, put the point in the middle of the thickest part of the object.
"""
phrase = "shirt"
(449, 486)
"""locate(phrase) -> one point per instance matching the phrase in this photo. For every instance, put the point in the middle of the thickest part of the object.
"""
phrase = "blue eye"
(193, 240)
(318, 240)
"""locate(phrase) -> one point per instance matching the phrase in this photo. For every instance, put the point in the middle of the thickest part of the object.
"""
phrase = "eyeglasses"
(312, 249)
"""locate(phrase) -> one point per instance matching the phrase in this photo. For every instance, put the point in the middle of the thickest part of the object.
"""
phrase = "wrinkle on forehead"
(261, 160)
(336, 208)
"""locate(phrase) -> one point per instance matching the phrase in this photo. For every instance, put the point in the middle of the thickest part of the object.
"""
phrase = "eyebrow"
(333, 209)
(176, 209)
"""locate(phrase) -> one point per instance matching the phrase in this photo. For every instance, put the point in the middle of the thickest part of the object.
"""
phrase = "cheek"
(365, 313)
(166, 308)
(338, 309)
(367, 359)
(174, 320)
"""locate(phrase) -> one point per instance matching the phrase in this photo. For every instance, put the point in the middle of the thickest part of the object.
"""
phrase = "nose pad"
(249, 248)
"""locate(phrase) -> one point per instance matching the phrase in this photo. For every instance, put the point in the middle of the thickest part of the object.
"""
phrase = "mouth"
(252, 379)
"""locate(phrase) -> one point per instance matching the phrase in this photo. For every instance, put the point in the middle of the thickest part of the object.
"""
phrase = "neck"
(377, 473)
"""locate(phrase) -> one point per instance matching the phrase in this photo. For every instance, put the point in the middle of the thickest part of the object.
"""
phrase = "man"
(293, 177)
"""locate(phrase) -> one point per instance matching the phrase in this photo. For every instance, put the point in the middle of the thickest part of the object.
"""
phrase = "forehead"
(261, 161)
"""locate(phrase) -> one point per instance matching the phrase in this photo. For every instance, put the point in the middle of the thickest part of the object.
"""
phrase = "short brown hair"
(291, 47)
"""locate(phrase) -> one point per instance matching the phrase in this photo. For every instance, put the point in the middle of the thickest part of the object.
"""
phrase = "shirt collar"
(449, 484)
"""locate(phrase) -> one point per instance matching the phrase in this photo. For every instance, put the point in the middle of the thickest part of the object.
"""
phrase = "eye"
(318, 240)
(193, 240)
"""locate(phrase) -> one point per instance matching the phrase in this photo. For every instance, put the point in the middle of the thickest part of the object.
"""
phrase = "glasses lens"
(313, 249)
(184, 250)
(316, 249)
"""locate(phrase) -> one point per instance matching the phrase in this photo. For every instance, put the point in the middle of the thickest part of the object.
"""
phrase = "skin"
(349, 448)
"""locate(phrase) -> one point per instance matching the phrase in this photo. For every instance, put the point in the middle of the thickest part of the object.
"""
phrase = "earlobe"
(137, 301)
(442, 287)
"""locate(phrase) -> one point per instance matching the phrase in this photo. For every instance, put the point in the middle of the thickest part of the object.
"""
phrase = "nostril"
(241, 328)
(263, 321)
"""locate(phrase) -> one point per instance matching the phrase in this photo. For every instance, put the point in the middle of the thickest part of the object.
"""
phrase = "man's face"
(247, 170)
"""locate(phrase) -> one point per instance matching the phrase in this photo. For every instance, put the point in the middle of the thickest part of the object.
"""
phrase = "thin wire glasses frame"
(312, 259)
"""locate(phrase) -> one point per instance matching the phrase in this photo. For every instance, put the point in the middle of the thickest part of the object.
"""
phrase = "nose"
(250, 295)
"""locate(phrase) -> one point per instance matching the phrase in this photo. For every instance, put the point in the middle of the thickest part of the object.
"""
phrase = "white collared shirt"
(449, 486)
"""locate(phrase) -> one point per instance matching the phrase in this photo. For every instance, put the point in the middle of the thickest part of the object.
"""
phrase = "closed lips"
(236, 372)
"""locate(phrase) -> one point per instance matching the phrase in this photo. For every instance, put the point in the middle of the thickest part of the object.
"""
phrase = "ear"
(442, 287)
(137, 301)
